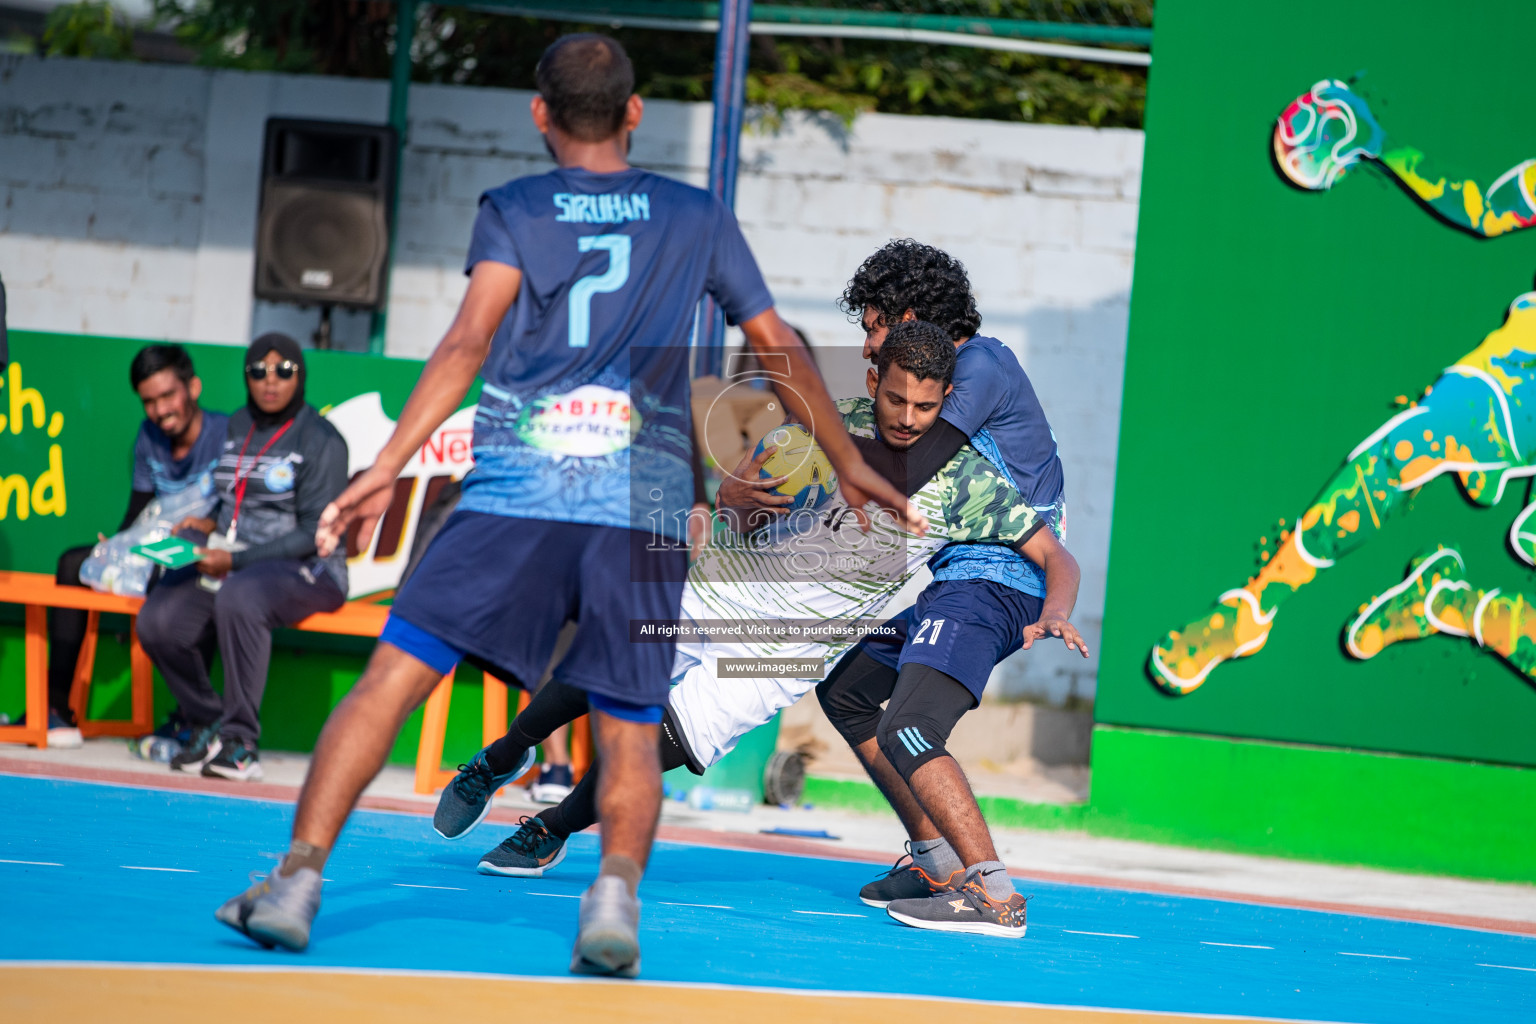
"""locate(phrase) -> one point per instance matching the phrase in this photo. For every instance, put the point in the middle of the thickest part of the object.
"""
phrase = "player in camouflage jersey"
(813, 569)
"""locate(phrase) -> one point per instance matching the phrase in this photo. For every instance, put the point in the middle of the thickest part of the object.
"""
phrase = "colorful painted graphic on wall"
(1477, 422)
(1329, 129)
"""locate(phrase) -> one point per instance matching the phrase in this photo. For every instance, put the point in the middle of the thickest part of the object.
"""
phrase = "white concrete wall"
(130, 195)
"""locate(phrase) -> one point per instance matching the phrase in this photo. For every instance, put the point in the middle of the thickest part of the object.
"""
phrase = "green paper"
(173, 552)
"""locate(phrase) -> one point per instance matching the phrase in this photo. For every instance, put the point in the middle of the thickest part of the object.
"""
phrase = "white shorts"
(714, 713)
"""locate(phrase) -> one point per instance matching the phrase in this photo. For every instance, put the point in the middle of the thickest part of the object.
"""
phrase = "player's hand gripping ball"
(811, 479)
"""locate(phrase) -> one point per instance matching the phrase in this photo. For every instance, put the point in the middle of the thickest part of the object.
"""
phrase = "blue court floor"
(111, 874)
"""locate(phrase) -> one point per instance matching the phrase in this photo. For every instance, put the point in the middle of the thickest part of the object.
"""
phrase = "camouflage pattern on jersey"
(858, 416)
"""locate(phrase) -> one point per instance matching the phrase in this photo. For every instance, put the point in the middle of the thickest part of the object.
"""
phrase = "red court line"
(755, 841)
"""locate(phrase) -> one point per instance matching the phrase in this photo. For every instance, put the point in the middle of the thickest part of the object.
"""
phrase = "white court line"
(408, 885)
(135, 867)
(1506, 967)
(562, 895)
(34, 863)
(828, 913)
(1375, 956)
(706, 906)
(1234, 945)
(1106, 935)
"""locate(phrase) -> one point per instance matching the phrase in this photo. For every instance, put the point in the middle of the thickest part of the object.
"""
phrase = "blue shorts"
(963, 628)
(501, 588)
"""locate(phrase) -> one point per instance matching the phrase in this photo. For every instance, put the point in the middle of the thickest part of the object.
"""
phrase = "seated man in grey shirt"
(281, 465)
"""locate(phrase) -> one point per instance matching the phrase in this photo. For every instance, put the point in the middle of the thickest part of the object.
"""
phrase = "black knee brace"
(851, 696)
(922, 712)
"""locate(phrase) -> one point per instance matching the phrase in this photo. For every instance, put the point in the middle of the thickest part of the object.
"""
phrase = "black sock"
(506, 753)
(554, 822)
(555, 704)
(578, 810)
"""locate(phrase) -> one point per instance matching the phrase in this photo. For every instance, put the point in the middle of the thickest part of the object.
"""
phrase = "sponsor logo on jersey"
(590, 421)
(606, 208)
(279, 477)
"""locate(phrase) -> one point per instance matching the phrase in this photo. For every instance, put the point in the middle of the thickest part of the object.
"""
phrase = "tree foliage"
(90, 29)
(843, 77)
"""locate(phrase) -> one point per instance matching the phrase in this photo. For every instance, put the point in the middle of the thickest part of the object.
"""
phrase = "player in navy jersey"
(582, 288)
(972, 615)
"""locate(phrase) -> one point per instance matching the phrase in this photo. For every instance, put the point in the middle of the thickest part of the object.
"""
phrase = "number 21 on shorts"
(933, 638)
(611, 280)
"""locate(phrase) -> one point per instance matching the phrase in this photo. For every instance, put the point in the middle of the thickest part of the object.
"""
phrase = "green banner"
(66, 440)
(68, 418)
(1318, 531)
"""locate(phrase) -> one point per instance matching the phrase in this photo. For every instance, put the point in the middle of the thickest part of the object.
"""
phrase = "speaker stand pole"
(399, 94)
(322, 336)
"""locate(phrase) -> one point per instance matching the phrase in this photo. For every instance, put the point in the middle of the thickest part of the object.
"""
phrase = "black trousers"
(179, 616)
(66, 632)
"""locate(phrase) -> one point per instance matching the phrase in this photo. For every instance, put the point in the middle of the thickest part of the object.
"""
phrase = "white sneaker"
(61, 734)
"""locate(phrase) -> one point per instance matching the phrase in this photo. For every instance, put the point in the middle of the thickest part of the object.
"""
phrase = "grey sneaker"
(526, 853)
(277, 911)
(467, 799)
(969, 910)
(907, 881)
(608, 930)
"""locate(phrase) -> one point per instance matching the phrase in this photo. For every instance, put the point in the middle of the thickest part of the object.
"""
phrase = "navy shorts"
(501, 588)
(963, 628)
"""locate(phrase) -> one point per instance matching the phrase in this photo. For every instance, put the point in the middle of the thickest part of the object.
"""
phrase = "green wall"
(1415, 814)
(1270, 331)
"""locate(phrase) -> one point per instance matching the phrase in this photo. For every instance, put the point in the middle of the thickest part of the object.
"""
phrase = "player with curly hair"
(907, 280)
(974, 613)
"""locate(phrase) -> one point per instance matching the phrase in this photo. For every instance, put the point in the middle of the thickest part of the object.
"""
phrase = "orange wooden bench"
(38, 592)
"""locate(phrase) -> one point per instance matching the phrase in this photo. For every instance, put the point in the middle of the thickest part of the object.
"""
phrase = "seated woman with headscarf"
(282, 464)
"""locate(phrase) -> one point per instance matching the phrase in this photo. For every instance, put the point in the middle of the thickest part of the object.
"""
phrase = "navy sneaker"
(176, 727)
(467, 799)
(236, 760)
(554, 784)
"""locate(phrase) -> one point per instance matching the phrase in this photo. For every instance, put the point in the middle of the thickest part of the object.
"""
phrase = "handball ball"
(800, 459)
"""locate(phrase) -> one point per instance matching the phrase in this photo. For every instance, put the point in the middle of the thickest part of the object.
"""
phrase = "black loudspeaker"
(322, 234)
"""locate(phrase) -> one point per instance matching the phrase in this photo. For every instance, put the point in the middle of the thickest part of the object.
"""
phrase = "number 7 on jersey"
(611, 280)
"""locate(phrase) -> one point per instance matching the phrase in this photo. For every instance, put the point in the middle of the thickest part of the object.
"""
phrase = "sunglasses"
(285, 370)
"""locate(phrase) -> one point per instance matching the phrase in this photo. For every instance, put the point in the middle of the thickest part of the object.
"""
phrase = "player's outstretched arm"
(1062, 577)
(805, 398)
(444, 382)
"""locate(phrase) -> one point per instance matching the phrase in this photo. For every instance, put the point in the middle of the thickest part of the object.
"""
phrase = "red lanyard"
(240, 481)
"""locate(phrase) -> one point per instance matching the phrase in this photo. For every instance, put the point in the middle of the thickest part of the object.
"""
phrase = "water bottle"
(158, 748)
(707, 798)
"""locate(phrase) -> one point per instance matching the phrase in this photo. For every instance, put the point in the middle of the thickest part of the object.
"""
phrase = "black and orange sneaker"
(907, 881)
(526, 853)
(969, 910)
